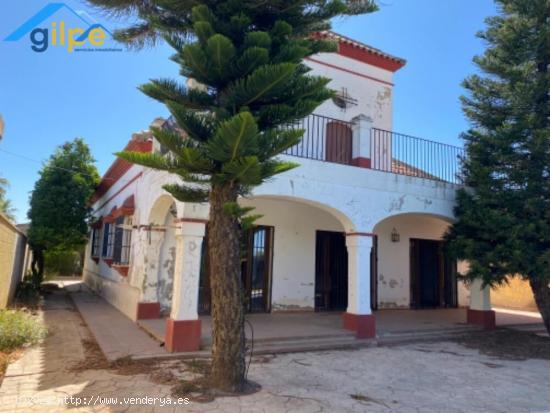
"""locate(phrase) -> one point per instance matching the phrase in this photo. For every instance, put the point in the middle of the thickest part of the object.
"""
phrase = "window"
(96, 242)
(108, 240)
(122, 240)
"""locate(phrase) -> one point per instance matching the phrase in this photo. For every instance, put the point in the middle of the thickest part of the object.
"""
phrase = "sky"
(51, 97)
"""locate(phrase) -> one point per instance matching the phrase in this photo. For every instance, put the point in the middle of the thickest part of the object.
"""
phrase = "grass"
(17, 329)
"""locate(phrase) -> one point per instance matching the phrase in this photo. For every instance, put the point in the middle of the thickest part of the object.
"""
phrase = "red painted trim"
(147, 311)
(192, 220)
(364, 53)
(361, 162)
(108, 261)
(486, 319)
(366, 56)
(182, 335)
(364, 325)
(131, 181)
(119, 167)
(95, 259)
(360, 234)
(349, 71)
(122, 269)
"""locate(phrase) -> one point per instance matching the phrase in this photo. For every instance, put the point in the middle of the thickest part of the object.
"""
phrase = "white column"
(480, 298)
(359, 248)
(187, 271)
(149, 246)
(361, 149)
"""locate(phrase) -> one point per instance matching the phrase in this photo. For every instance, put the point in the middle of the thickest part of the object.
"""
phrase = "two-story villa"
(356, 228)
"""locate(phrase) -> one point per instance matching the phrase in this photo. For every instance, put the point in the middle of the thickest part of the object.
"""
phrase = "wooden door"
(331, 271)
(339, 141)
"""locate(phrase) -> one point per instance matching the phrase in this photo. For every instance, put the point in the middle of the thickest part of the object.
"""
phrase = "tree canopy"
(59, 201)
(503, 217)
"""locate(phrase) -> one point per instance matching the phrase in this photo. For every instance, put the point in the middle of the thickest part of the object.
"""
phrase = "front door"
(433, 275)
(256, 264)
(331, 272)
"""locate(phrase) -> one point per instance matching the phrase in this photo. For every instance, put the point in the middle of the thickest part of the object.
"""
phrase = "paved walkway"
(118, 336)
(115, 333)
(428, 377)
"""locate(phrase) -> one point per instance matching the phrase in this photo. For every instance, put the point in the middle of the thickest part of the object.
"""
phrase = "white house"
(356, 228)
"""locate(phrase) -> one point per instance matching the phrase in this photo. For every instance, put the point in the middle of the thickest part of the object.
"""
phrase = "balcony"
(359, 144)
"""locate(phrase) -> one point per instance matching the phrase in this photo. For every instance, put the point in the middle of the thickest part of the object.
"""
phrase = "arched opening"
(294, 259)
(161, 254)
(411, 267)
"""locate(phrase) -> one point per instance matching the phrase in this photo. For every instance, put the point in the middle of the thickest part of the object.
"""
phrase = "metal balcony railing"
(332, 140)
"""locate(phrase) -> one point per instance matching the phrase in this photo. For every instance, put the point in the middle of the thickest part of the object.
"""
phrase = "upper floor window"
(122, 240)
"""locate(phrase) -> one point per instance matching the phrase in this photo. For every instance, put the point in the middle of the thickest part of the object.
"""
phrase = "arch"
(157, 213)
(399, 240)
(346, 222)
(411, 214)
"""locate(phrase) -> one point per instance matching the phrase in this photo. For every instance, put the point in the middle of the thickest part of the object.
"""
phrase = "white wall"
(394, 257)
(374, 98)
(293, 249)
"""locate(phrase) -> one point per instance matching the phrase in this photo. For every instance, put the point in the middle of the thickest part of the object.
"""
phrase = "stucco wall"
(394, 257)
(371, 86)
(13, 249)
(293, 249)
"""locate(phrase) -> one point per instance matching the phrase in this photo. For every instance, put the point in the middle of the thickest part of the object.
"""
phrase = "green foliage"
(19, 328)
(5, 204)
(247, 59)
(59, 201)
(65, 263)
(28, 291)
(503, 222)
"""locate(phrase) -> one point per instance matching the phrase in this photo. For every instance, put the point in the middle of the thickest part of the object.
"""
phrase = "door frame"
(267, 290)
(325, 306)
(205, 293)
(447, 283)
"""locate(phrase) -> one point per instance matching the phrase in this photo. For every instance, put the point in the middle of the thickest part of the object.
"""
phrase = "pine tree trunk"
(541, 291)
(228, 340)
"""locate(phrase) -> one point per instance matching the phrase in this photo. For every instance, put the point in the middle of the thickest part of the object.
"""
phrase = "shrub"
(28, 291)
(19, 328)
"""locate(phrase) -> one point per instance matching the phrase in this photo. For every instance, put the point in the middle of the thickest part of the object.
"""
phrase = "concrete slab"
(116, 334)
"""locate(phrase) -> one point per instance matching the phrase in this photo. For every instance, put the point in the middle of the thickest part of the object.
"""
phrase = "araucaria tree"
(503, 221)
(246, 59)
(59, 203)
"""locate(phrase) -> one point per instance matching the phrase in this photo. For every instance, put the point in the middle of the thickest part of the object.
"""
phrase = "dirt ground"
(504, 371)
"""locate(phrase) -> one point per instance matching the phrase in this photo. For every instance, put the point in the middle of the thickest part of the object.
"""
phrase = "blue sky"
(51, 97)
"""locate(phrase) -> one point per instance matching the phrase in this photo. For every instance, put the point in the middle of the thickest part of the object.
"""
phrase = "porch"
(302, 331)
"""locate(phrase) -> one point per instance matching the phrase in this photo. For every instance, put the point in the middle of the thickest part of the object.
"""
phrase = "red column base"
(361, 162)
(364, 325)
(182, 335)
(486, 319)
(147, 311)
